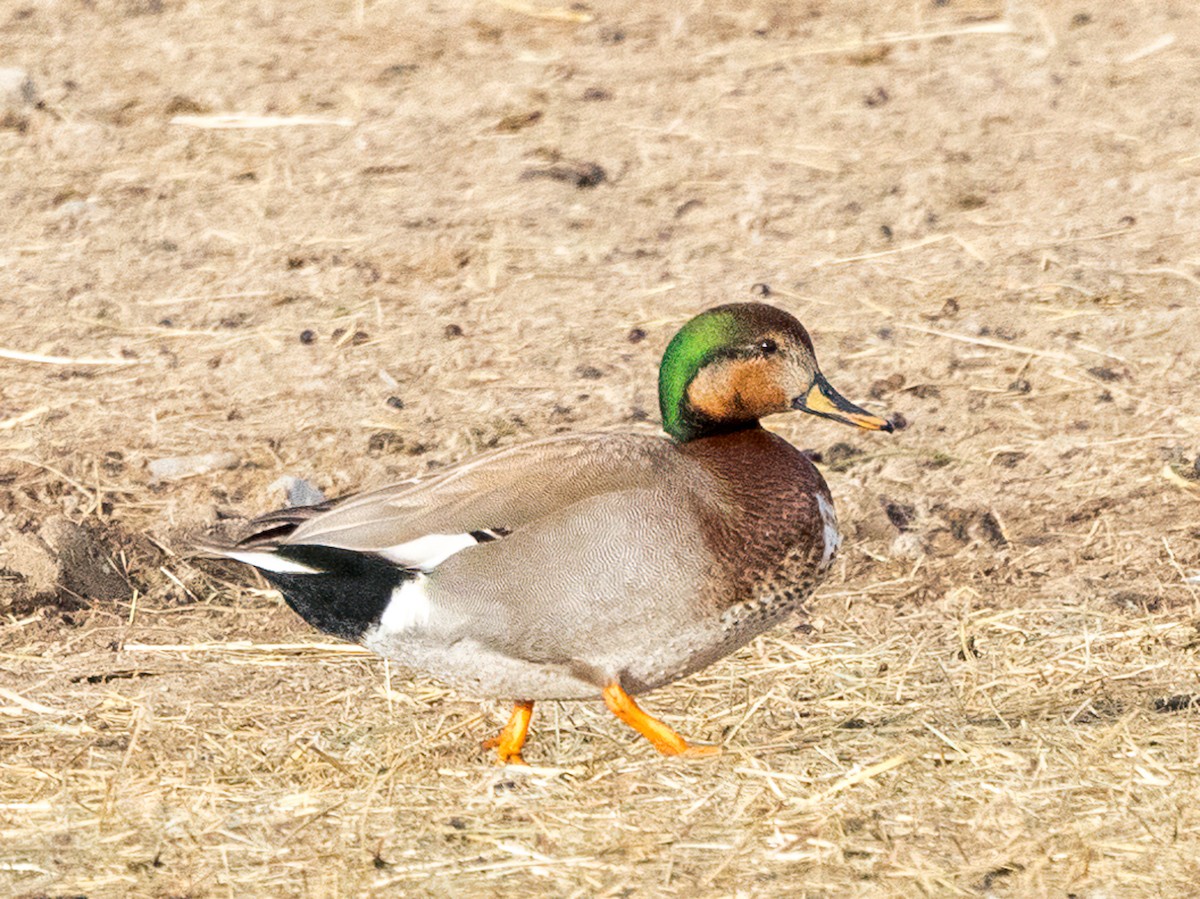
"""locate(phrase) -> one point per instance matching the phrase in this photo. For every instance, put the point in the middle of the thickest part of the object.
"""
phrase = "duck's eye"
(768, 347)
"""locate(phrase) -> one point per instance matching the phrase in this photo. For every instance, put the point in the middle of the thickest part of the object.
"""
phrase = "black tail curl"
(347, 593)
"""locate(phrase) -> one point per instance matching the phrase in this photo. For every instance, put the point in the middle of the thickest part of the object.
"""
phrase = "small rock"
(174, 468)
(1107, 373)
(949, 309)
(581, 174)
(74, 211)
(1009, 458)
(907, 546)
(899, 514)
(519, 120)
(17, 90)
(184, 105)
(877, 97)
(299, 491)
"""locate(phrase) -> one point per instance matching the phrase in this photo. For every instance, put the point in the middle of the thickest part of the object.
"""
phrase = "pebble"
(908, 546)
(299, 491)
(174, 468)
(16, 90)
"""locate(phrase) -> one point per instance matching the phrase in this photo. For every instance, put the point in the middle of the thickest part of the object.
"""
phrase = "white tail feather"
(268, 561)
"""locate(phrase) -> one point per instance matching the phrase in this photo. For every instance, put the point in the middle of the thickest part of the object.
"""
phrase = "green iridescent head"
(731, 365)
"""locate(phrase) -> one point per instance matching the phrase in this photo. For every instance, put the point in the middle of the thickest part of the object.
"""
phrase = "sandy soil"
(469, 225)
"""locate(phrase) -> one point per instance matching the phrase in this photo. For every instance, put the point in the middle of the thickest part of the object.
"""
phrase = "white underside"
(407, 609)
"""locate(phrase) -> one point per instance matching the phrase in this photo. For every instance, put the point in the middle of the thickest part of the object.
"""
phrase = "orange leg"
(509, 741)
(661, 737)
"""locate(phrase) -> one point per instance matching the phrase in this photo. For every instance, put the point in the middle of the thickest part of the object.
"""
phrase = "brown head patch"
(738, 389)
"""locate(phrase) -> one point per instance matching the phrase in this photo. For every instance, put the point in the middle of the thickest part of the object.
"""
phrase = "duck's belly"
(479, 671)
(641, 663)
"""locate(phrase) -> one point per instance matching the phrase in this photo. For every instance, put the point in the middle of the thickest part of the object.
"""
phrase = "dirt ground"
(431, 228)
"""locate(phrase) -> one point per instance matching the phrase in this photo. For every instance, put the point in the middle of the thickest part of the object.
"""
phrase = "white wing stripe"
(428, 552)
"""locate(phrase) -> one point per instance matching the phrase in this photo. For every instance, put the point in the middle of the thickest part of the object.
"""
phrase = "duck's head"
(731, 365)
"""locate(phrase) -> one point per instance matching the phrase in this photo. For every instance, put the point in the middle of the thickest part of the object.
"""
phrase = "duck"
(587, 566)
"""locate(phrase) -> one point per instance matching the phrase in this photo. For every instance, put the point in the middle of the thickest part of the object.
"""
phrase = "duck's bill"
(823, 400)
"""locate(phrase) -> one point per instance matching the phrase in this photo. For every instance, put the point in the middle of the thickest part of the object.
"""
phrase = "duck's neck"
(686, 354)
(687, 425)
(685, 422)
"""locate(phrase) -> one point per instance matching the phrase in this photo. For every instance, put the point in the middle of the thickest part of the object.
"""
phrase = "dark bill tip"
(826, 402)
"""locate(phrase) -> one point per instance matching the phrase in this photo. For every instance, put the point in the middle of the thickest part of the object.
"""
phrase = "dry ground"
(987, 213)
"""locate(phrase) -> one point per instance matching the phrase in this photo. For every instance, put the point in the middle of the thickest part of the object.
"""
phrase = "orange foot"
(509, 741)
(661, 737)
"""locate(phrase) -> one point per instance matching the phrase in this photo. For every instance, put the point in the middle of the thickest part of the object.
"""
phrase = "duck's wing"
(420, 523)
(367, 562)
(602, 581)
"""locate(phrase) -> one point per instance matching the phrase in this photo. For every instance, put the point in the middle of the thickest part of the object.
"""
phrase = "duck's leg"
(661, 737)
(509, 741)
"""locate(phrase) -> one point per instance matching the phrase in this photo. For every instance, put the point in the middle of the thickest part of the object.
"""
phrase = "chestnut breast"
(766, 510)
